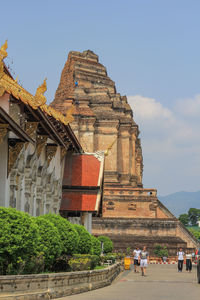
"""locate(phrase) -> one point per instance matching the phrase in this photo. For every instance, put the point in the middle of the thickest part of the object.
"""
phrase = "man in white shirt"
(136, 254)
(180, 258)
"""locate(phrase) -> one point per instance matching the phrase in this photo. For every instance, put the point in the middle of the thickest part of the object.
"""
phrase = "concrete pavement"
(163, 282)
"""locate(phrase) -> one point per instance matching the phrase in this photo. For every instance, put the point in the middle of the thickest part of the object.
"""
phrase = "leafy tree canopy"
(160, 251)
(107, 243)
(19, 238)
(85, 241)
(68, 235)
(50, 242)
(193, 214)
(191, 218)
(184, 218)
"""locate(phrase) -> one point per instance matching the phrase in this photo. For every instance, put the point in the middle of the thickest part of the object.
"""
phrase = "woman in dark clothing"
(188, 261)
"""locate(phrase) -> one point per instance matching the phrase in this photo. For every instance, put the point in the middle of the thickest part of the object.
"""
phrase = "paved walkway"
(162, 283)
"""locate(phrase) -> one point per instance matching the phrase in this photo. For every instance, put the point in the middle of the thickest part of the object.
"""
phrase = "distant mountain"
(180, 202)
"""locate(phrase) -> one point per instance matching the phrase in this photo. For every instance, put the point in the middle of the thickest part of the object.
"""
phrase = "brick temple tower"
(103, 119)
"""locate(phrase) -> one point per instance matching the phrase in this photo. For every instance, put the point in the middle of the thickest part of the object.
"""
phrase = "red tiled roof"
(79, 200)
(83, 171)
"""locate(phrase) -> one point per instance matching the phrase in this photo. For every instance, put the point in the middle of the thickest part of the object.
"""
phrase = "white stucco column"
(4, 181)
(88, 221)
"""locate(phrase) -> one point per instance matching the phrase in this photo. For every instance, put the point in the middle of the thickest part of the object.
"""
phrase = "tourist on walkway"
(136, 254)
(180, 258)
(188, 261)
(144, 260)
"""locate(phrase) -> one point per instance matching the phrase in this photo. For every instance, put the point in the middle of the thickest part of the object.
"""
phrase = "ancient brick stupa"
(103, 119)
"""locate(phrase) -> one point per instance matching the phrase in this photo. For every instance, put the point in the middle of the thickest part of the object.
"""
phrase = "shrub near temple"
(85, 241)
(79, 264)
(18, 239)
(50, 242)
(160, 251)
(108, 257)
(95, 259)
(107, 243)
(96, 246)
(68, 235)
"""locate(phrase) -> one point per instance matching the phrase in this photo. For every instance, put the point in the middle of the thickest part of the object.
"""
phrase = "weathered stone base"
(50, 286)
(122, 242)
(127, 232)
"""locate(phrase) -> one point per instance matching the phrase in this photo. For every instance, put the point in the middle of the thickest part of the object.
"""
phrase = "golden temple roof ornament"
(40, 99)
(3, 54)
(11, 86)
(109, 147)
(59, 116)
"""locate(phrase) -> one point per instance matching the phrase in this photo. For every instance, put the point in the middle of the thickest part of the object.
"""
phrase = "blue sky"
(151, 48)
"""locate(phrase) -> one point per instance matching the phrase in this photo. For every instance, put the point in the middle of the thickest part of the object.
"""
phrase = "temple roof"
(55, 123)
(11, 86)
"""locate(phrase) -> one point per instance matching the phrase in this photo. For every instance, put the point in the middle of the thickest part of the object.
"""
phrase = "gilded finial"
(40, 99)
(3, 52)
(42, 88)
(109, 147)
(1, 69)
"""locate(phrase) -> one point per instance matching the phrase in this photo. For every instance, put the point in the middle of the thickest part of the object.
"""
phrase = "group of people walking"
(141, 259)
(181, 256)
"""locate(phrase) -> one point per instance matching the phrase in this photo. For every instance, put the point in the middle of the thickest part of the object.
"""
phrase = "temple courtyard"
(162, 282)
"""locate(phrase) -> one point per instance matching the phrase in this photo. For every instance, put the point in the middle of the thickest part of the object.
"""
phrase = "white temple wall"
(35, 187)
(4, 181)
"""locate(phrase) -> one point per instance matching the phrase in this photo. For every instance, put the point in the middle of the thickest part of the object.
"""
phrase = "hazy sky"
(151, 49)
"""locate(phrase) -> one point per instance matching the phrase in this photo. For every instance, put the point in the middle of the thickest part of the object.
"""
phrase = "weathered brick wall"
(101, 116)
(129, 232)
(66, 86)
(128, 209)
(50, 286)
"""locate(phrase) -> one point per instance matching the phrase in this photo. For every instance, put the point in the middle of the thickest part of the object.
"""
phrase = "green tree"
(128, 251)
(157, 250)
(184, 219)
(19, 239)
(107, 243)
(193, 214)
(160, 251)
(195, 232)
(85, 241)
(50, 241)
(68, 235)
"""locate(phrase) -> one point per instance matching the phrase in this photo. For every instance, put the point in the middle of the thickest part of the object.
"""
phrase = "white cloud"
(189, 107)
(148, 108)
(170, 141)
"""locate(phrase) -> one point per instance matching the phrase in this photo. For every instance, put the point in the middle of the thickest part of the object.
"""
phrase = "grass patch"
(193, 227)
(99, 267)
